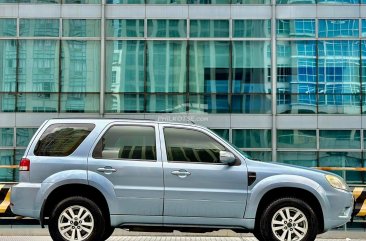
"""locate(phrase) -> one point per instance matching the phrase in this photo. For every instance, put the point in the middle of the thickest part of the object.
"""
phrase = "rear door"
(127, 155)
(197, 184)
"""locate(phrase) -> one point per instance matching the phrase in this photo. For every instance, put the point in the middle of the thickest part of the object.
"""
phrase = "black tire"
(94, 216)
(108, 232)
(303, 228)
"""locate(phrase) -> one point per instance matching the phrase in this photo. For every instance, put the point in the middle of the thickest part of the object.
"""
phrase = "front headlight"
(336, 182)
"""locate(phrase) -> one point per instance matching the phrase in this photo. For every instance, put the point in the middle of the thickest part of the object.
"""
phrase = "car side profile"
(86, 177)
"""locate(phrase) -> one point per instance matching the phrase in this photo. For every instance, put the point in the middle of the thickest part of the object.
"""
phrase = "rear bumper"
(23, 200)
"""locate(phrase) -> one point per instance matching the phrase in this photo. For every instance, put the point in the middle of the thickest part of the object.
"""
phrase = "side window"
(184, 145)
(62, 139)
(127, 142)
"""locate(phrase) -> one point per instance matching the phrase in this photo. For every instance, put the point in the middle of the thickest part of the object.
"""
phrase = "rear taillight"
(24, 164)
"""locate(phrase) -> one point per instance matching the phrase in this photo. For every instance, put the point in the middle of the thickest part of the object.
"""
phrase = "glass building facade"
(283, 79)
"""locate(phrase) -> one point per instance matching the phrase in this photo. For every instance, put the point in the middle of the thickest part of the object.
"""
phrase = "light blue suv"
(84, 177)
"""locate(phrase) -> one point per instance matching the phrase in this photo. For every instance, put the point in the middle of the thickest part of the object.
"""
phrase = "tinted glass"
(124, 103)
(62, 139)
(251, 28)
(7, 173)
(6, 136)
(8, 27)
(125, 28)
(296, 139)
(24, 135)
(340, 139)
(252, 138)
(209, 28)
(331, 28)
(8, 49)
(183, 145)
(307, 159)
(166, 66)
(224, 133)
(127, 142)
(163, 28)
(299, 28)
(39, 27)
(81, 28)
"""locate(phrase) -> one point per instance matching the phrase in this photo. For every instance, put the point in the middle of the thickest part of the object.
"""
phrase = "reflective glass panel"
(364, 26)
(166, 66)
(209, 66)
(6, 136)
(80, 103)
(209, 103)
(39, 1)
(299, 158)
(296, 67)
(80, 66)
(208, 1)
(125, 66)
(81, 28)
(264, 156)
(363, 76)
(224, 133)
(24, 135)
(299, 28)
(82, 1)
(339, 77)
(296, 139)
(7, 102)
(166, 1)
(331, 28)
(251, 66)
(7, 174)
(8, 53)
(8, 27)
(339, 139)
(125, 1)
(296, 103)
(296, 1)
(163, 103)
(252, 28)
(39, 102)
(164, 28)
(209, 28)
(343, 159)
(38, 66)
(251, 103)
(252, 138)
(338, 1)
(124, 27)
(124, 103)
(39, 27)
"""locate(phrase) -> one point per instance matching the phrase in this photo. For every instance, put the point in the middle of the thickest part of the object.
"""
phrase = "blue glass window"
(8, 27)
(124, 103)
(209, 28)
(252, 138)
(251, 103)
(299, 28)
(332, 28)
(125, 28)
(299, 158)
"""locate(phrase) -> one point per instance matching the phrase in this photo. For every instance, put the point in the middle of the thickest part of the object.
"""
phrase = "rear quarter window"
(62, 139)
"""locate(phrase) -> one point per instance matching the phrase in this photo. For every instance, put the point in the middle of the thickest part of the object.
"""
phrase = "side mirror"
(227, 157)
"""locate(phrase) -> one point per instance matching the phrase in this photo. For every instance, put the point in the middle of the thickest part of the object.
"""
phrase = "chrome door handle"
(181, 173)
(106, 170)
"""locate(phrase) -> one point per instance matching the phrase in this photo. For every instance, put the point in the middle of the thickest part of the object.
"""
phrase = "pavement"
(35, 233)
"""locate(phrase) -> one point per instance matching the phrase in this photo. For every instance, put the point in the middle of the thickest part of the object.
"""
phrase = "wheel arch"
(299, 193)
(70, 190)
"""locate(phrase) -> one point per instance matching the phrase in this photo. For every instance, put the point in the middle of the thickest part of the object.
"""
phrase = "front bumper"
(340, 208)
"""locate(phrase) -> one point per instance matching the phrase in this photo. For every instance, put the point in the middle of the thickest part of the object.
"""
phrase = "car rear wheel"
(288, 219)
(76, 218)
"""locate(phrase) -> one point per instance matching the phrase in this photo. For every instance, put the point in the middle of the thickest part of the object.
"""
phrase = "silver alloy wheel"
(76, 223)
(289, 224)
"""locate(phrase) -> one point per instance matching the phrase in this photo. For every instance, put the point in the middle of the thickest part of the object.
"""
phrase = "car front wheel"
(76, 218)
(289, 219)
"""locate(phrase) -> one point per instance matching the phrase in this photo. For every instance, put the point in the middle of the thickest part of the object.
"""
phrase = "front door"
(197, 184)
(127, 155)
